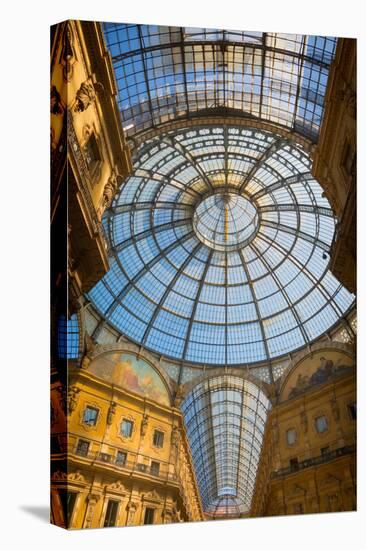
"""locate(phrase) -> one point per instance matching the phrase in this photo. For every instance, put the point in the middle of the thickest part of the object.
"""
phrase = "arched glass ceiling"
(225, 419)
(183, 299)
(164, 73)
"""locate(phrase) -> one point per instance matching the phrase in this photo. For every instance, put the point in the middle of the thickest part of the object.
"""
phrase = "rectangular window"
(92, 154)
(149, 516)
(321, 424)
(121, 458)
(83, 447)
(90, 416)
(352, 411)
(155, 468)
(126, 428)
(111, 514)
(68, 500)
(158, 439)
(291, 436)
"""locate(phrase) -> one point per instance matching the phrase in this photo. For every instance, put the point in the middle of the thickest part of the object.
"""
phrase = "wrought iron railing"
(315, 461)
(132, 463)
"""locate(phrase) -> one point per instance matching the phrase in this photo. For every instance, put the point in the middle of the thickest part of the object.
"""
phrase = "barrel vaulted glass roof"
(225, 418)
(165, 73)
(220, 247)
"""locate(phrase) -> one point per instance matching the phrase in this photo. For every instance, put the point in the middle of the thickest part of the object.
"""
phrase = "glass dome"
(225, 220)
(220, 244)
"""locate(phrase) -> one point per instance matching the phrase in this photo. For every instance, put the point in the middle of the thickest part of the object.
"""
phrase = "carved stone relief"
(86, 95)
(111, 413)
(68, 57)
(72, 399)
(57, 107)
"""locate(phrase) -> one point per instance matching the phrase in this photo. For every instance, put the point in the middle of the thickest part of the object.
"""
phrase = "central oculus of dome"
(225, 221)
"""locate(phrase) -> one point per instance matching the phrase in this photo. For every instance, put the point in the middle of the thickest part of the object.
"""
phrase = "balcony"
(130, 463)
(310, 462)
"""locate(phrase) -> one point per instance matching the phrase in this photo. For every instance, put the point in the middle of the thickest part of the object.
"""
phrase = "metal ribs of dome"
(169, 73)
(182, 299)
(225, 220)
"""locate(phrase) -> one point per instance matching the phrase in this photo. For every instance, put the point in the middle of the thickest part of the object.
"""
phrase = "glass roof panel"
(209, 272)
(225, 419)
(163, 73)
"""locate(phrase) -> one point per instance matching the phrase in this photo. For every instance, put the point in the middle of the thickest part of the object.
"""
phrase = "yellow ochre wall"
(96, 478)
(324, 479)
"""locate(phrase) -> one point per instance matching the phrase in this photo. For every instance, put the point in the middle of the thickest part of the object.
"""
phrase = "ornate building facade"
(308, 461)
(335, 159)
(129, 461)
(203, 274)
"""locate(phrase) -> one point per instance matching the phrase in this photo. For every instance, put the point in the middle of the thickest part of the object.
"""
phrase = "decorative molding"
(144, 423)
(84, 182)
(175, 437)
(92, 405)
(131, 511)
(76, 476)
(72, 399)
(86, 95)
(133, 433)
(111, 412)
(304, 421)
(218, 120)
(161, 429)
(68, 56)
(92, 499)
(116, 486)
(58, 475)
(57, 106)
(152, 496)
(161, 362)
(335, 408)
(109, 191)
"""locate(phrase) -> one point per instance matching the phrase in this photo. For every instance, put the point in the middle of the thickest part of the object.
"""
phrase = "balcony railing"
(130, 464)
(309, 462)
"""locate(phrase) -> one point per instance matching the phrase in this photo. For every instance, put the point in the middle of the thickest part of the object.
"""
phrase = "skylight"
(220, 245)
(167, 73)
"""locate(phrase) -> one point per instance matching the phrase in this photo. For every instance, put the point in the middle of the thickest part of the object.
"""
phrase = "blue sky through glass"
(183, 299)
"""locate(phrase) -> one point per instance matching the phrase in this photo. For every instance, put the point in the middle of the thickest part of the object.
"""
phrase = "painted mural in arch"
(129, 372)
(319, 367)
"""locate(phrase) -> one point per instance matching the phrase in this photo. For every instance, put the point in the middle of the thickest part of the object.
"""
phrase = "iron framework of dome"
(220, 247)
(220, 240)
(167, 73)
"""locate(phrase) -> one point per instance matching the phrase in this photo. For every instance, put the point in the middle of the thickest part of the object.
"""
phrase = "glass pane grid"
(165, 72)
(225, 418)
(219, 274)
